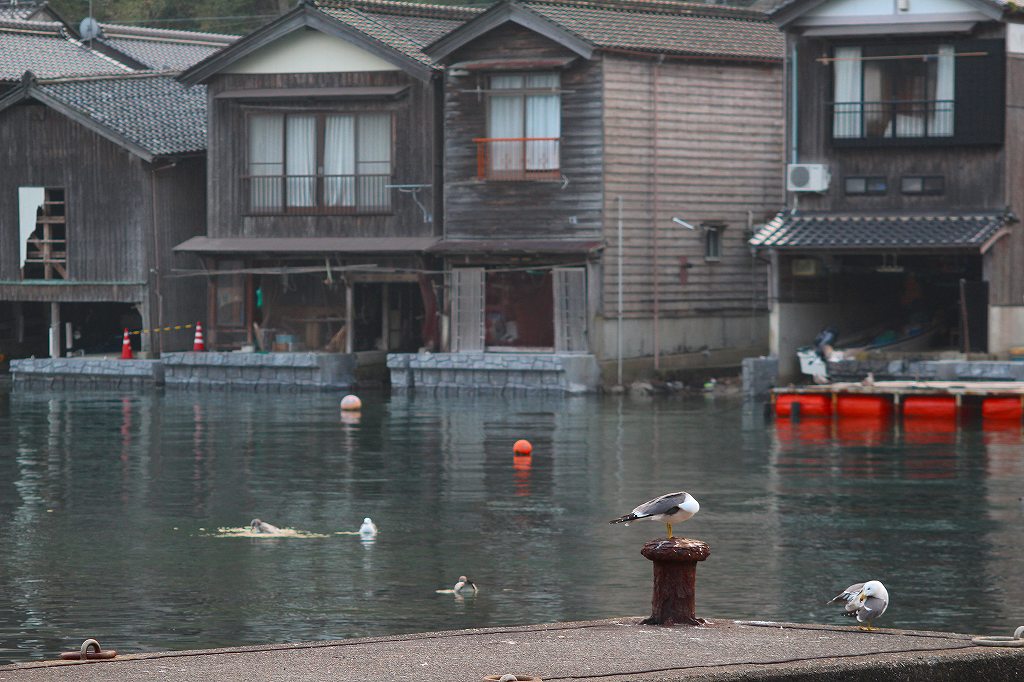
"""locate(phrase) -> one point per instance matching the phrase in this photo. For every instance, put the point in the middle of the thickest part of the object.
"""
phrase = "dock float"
(608, 650)
(994, 400)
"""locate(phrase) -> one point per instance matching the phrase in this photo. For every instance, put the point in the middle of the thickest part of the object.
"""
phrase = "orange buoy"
(522, 448)
(929, 406)
(1002, 407)
(351, 402)
(855, 405)
(811, 404)
(126, 347)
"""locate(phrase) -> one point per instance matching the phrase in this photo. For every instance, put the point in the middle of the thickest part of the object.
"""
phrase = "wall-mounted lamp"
(680, 221)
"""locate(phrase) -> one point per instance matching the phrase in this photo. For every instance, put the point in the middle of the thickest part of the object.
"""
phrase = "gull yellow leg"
(669, 526)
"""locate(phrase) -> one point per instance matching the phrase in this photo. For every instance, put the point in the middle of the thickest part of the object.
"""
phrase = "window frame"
(870, 190)
(485, 151)
(319, 207)
(712, 241)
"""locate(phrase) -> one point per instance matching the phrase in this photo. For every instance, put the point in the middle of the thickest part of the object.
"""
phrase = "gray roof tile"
(163, 49)
(41, 48)
(902, 231)
(156, 113)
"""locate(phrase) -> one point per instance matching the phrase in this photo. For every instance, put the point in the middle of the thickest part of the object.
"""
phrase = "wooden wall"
(566, 209)
(107, 194)
(973, 173)
(413, 155)
(697, 140)
(1004, 267)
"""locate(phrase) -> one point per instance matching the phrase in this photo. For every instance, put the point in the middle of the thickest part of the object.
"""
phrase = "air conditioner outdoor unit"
(807, 177)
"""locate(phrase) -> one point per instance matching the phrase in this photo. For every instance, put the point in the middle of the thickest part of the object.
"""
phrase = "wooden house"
(103, 175)
(324, 174)
(905, 155)
(604, 165)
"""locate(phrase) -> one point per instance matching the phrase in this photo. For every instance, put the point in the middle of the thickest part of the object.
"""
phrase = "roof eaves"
(499, 14)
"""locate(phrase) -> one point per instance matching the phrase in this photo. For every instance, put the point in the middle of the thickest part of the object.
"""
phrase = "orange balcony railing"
(517, 158)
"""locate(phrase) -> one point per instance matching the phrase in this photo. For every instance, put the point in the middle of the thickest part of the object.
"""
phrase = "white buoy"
(351, 402)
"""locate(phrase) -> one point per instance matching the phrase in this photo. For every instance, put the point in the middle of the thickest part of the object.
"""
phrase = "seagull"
(866, 601)
(463, 584)
(670, 508)
(263, 527)
(369, 528)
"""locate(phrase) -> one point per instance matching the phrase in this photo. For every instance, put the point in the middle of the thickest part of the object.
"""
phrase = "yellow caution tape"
(159, 330)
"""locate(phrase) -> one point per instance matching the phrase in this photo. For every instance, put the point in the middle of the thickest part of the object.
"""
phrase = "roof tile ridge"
(664, 7)
(96, 53)
(403, 8)
(135, 75)
(124, 30)
(383, 26)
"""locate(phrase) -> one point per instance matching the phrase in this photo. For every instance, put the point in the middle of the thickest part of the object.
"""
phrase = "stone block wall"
(259, 371)
(567, 373)
(87, 373)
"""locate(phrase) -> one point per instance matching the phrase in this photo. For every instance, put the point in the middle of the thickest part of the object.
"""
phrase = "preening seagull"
(670, 508)
(867, 601)
(263, 527)
(369, 528)
(464, 584)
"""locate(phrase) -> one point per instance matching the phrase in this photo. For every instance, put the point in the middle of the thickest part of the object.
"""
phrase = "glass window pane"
(301, 160)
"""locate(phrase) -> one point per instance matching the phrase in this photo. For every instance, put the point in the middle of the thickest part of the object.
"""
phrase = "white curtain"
(941, 124)
(848, 115)
(301, 160)
(266, 158)
(373, 166)
(505, 120)
(543, 119)
(340, 161)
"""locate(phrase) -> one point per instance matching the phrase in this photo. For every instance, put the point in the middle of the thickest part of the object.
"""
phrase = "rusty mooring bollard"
(675, 577)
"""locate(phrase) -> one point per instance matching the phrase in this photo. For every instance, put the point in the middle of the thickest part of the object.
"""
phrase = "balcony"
(317, 194)
(901, 120)
(517, 158)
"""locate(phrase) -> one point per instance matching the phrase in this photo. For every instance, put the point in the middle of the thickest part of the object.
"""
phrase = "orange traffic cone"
(198, 344)
(126, 347)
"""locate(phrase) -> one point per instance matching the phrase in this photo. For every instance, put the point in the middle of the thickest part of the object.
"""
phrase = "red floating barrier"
(811, 404)
(854, 405)
(1002, 407)
(930, 406)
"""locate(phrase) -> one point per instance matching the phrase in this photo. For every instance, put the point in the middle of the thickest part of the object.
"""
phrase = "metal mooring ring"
(1016, 640)
(84, 655)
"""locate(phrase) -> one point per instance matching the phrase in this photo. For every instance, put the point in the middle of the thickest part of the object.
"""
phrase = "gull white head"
(874, 588)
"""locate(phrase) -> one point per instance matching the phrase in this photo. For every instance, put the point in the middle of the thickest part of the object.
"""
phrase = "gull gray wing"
(873, 608)
(848, 594)
(660, 505)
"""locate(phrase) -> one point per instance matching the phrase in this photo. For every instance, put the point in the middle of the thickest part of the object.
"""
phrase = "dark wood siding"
(702, 142)
(569, 208)
(973, 174)
(107, 194)
(1005, 271)
(413, 154)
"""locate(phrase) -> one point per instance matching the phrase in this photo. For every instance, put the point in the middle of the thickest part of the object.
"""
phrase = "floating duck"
(263, 527)
(369, 528)
(464, 584)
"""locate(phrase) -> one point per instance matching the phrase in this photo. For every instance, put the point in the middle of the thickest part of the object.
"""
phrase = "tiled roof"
(775, 5)
(17, 13)
(154, 112)
(45, 49)
(403, 26)
(162, 49)
(667, 27)
(838, 231)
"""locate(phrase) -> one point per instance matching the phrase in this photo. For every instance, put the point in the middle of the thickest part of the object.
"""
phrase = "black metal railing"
(316, 194)
(898, 119)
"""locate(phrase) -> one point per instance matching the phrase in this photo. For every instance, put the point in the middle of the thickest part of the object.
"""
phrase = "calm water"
(109, 506)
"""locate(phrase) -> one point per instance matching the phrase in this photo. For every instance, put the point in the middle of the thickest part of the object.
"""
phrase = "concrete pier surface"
(613, 650)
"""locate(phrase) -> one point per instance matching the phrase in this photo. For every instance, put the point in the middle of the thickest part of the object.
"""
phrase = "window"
(319, 163)
(524, 115)
(866, 185)
(894, 92)
(713, 242)
(923, 184)
(43, 233)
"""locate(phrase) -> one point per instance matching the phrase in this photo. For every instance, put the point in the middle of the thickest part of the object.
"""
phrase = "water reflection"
(115, 499)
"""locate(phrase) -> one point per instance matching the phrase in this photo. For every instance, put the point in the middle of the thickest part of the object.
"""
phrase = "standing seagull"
(867, 601)
(671, 508)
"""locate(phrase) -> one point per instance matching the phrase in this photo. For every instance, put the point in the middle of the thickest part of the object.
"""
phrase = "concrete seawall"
(610, 650)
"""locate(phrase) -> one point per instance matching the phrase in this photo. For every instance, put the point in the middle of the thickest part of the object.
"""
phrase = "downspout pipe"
(656, 72)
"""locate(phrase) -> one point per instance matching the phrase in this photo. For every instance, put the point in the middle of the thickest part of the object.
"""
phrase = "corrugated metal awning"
(514, 64)
(368, 92)
(306, 245)
(513, 246)
(824, 231)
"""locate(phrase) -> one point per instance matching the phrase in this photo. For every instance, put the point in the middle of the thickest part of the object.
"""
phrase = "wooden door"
(467, 289)
(570, 292)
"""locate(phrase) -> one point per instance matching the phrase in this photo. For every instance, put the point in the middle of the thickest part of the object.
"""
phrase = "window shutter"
(467, 309)
(570, 291)
(980, 92)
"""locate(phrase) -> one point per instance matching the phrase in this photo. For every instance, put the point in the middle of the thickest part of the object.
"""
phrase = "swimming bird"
(263, 527)
(463, 584)
(867, 601)
(670, 508)
(368, 528)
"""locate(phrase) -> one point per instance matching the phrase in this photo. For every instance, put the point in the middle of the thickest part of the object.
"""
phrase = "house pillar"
(54, 330)
(349, 316)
